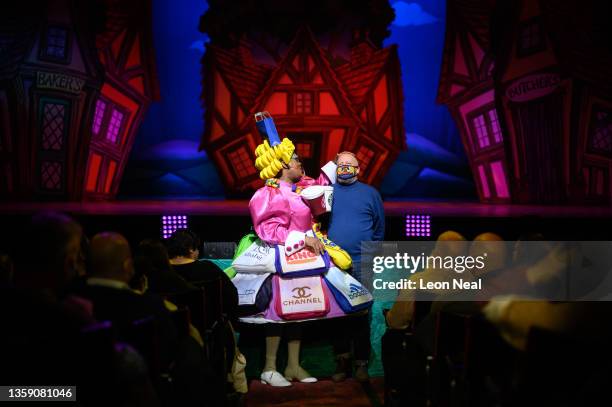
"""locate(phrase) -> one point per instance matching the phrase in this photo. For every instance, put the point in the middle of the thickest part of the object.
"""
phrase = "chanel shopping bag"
(300, 298)
(349, 293)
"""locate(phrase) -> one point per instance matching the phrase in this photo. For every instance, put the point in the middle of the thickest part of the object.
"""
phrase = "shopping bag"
(254, 292)
(266, 128)
(259, 257)
(244, 244)
(349, 293)
(301, 263)
(300, 298)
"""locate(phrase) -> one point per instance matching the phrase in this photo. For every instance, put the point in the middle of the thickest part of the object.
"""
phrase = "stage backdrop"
(165, 162)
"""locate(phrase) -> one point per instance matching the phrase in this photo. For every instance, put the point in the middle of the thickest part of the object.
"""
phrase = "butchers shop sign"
(533, 87)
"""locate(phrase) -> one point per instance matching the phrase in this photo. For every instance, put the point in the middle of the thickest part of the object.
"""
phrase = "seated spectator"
(50, 253)
(43, 344)
(492, 276)
(515, 316)
(183, 251)
(107, 288)
(573, 270)
(449, 243)
(140, 284)
(152, 261)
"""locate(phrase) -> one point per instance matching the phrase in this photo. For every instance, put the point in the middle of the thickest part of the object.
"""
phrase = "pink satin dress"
(277, 211)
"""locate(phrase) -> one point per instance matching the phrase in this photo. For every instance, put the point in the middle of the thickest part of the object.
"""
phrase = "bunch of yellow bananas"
(269, 160)
(338, 255)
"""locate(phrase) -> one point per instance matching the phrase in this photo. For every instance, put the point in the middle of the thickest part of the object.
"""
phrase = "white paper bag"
(258, 258)
(248, 285)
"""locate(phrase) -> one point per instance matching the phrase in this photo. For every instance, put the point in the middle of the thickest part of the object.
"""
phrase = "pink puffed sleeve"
(271, 215)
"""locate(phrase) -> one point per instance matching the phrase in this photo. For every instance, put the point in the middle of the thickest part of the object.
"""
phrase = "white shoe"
(273, 378)
(301, 375)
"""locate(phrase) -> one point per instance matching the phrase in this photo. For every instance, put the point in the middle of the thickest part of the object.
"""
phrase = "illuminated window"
(303, 102)
(484, 184)
(98, 116)
(481, 131)
(364, 156)
(486, 129)
(497, 134)
(499, 179)
(241, 162)
(55, 44)
(108, 122)
(114, 126)
(493, 180)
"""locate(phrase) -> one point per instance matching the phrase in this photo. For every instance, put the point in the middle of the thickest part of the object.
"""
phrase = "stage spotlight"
(170, 223)
(418, 226)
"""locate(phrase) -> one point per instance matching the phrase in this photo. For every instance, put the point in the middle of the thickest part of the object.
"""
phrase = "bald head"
(111, 257)
(450, 243)
(347, 158)
(495, 247)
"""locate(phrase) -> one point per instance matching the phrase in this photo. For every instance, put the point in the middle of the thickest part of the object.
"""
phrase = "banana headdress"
(269, 160)
(270, 155)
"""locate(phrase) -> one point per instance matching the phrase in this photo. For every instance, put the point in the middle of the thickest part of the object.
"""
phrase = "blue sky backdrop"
(165, 160)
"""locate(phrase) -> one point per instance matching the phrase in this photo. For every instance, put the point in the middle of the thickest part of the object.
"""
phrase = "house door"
(541, 126)
(308, 147)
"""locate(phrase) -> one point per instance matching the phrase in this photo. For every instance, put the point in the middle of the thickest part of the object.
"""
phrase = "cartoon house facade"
(556, 89)
(125, 50)
(324, 108)
(544, 95)
(467, 88)
(49, 81)
(55, 74)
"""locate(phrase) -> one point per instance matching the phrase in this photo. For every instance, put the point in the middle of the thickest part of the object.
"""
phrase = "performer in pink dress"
(302, 267)
(280, 217)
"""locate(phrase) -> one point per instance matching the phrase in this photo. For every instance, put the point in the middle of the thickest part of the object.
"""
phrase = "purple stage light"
(418, 225)
(170, 223)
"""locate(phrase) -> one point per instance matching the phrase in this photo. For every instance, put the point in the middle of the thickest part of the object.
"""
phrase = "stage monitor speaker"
(218, 250)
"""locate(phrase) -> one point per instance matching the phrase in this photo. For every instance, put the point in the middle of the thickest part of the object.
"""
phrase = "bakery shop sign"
(533, 87)
(58, 81)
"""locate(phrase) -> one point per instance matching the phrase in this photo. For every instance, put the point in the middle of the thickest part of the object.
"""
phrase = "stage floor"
(240, 208)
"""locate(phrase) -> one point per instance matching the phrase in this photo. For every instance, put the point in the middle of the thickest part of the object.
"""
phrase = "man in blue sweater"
(357, 215)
